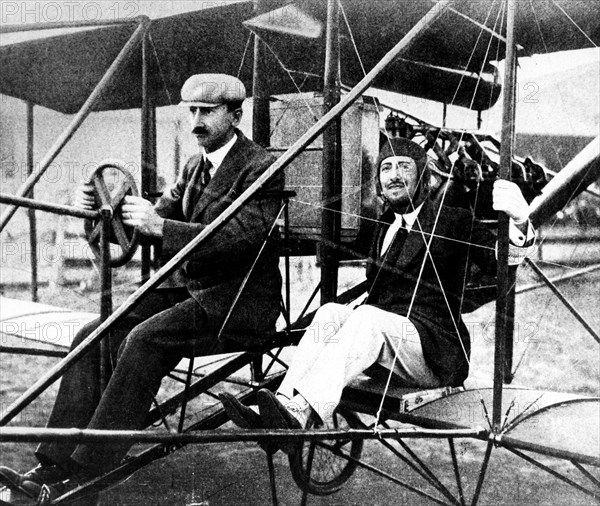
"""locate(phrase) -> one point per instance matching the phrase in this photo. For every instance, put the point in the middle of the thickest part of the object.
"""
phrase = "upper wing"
(450, 62)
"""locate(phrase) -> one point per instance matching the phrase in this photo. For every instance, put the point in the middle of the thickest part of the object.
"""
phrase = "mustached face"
(399, 179)
(213, 126)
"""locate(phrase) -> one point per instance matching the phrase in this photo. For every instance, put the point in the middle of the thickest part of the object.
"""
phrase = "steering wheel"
(126, 237)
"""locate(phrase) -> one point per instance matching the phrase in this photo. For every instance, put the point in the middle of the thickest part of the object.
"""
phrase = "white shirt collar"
(409, 218)
(217, 156)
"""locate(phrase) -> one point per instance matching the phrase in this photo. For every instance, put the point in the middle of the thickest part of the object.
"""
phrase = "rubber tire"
(334, 482)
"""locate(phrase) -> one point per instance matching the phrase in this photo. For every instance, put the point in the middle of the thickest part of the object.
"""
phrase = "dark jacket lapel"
(419, 234)
(374, 261)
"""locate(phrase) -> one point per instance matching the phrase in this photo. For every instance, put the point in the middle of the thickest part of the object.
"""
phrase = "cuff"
(518, 237)
(521, 244)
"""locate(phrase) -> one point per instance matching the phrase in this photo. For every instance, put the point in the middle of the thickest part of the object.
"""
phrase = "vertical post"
(506, 276)
(176, 151)
(479, 120)
(332, 166)
(261, 113)
(31, 211)
(148, 150)
(286, 247)
(105, 294)
(444, 114)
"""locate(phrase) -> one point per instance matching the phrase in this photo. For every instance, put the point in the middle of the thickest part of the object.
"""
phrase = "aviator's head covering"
(211, 90)
(399, 146)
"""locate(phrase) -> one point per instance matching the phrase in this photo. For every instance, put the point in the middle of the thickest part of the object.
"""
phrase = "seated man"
(411, 320)
(208, 308)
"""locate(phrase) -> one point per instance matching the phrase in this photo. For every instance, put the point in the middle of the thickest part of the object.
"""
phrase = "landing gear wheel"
(127, 238)
(328, 471)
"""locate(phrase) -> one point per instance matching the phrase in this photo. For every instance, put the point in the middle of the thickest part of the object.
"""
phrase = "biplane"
(326, 55)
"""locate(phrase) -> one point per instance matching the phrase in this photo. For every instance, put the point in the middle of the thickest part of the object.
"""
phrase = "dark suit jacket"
(215, 272)
(436, 307)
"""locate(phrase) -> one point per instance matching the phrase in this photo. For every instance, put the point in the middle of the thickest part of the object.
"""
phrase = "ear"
(237, 117)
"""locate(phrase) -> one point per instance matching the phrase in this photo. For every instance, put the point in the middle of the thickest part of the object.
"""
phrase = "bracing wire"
(375, 220)
(574, 23)
(289, 73)
(160, 71)
(352, 38)
(244, 55)
(249, 273)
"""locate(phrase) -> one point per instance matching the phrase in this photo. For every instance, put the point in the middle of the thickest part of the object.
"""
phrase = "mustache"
(396, 183)
(199, 131)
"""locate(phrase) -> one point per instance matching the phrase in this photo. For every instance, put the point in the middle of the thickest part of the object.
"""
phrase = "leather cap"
(399, 146)
(211, 90)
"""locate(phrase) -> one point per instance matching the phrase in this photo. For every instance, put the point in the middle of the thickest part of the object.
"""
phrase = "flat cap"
(212, 90)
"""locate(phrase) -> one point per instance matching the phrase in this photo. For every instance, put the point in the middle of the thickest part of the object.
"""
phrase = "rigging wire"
(497, 58)
(352, 38)
(244, 55)
(574, 23)
(160, 71)
(289, 73)
(249, 273)
(375, 220)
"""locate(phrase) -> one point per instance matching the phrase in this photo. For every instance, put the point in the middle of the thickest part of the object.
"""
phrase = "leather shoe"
(31, 483)
(276, 416)
(243, 416)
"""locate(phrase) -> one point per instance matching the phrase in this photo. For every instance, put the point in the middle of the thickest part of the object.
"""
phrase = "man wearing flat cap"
(410, 323)
(227, 299)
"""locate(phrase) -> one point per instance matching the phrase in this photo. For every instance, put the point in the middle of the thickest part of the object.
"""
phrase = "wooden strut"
(31, 435)
(31, 212)
(578, 316)
(49, 207)
(311, 134)
(52, 25)
(385, 475)
(419, 467)
(331, 187)
(505, 275)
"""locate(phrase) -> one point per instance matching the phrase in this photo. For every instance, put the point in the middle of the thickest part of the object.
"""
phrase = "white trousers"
(342, 342)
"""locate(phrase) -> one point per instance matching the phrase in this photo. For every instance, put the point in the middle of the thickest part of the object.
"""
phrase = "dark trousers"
(166, 327)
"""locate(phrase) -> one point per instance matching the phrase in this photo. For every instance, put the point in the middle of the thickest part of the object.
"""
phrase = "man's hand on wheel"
(139, 213)
(83, 198)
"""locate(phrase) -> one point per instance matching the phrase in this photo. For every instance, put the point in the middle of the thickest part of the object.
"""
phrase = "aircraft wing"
(41, 323)
(562, 425)
(558, 424)
(60, 71)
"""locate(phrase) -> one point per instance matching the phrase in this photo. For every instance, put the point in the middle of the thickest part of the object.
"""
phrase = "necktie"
(205, 176)
(390, 234)
(197, 183)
